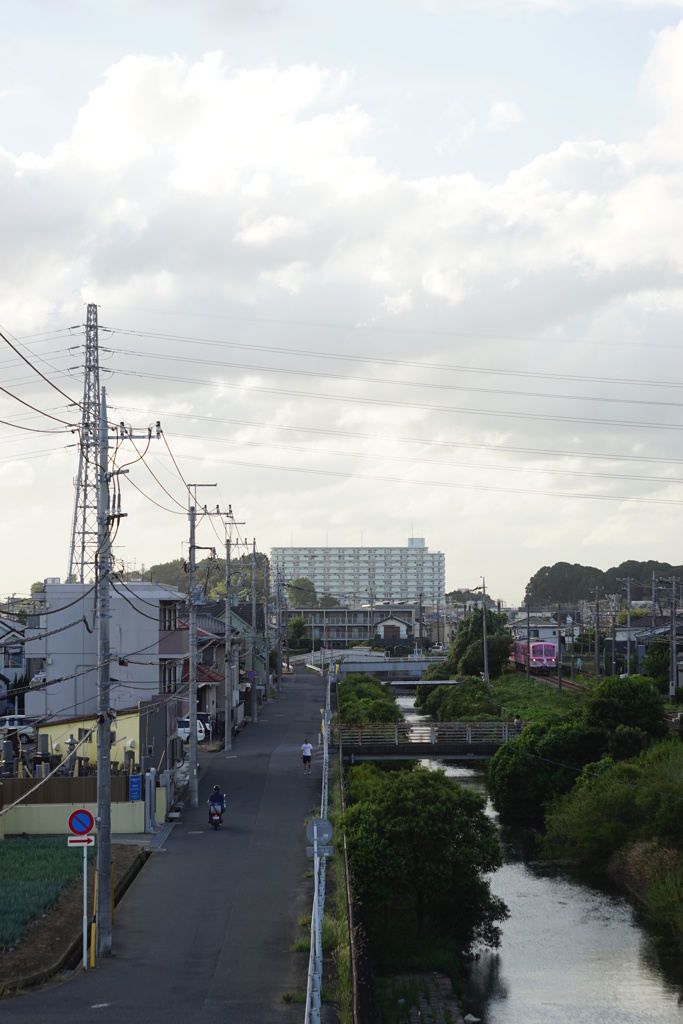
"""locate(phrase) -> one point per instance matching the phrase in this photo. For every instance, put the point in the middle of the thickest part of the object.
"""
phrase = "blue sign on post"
(135, 787)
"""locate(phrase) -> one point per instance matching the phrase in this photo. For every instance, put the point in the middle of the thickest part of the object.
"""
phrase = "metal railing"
(315, 959)
(430, 732)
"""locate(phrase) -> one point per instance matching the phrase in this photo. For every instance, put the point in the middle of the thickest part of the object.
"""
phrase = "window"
(168, 676)
(168, 615)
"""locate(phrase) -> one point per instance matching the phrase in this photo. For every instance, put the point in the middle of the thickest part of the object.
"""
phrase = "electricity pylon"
(83, 548)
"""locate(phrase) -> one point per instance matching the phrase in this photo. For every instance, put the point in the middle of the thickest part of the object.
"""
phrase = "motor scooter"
(215, 816)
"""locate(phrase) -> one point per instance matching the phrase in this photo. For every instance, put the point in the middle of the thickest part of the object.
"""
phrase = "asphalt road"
(204, 933)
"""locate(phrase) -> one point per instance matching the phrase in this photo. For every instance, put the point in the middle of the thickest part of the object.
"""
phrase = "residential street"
(204, 932)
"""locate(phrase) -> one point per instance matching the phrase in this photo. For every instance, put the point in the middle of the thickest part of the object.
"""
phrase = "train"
(539, 655)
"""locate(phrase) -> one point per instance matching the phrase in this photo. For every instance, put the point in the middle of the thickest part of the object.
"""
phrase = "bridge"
(401, 741)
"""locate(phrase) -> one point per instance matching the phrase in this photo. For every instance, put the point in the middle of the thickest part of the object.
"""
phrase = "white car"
(184, 730)
(23, 727)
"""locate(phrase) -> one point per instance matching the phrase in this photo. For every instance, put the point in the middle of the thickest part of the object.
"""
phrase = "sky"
(380, 269)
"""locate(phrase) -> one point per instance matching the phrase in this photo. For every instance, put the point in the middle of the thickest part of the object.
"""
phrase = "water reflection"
(572, 952)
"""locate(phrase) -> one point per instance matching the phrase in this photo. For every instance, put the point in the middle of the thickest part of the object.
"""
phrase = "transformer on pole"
(84, 532)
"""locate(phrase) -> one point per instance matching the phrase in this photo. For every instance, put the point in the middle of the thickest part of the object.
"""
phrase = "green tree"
(527, 774)
(633, 702)
(656, 663)
(301, 593)
(296, 629)
(419, 847)
(327, 601)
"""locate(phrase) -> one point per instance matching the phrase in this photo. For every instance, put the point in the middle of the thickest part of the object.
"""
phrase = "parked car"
(24, 728)
(184, 730)
(205, 718)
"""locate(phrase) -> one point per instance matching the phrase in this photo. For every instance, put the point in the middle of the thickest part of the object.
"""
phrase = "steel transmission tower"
(83, 548)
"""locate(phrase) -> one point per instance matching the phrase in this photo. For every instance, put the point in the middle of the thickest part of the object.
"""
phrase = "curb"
(71, 957)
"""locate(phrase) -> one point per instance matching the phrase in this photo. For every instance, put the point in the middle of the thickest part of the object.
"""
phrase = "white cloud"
(255, 193)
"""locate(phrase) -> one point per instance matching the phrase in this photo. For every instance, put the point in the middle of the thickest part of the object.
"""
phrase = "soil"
(47, 941)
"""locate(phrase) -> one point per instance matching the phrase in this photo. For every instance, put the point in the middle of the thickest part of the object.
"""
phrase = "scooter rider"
(217, 801)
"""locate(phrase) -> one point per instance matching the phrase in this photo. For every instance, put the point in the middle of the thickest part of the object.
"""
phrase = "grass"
(532, 700)
(34, 874)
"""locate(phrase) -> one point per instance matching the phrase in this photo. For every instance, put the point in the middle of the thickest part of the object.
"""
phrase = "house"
(539, 627)
(336, 627)
(393, 630)
(11, 659)
(147, 648)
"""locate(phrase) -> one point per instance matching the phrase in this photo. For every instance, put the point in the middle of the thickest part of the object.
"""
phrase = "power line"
(385, 402)
(39, 372)
(513, 468)
(430, 385)
(381, 329)
(363, 435)
(441, 483)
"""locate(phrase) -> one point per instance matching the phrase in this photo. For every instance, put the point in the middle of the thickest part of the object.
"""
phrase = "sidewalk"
(204, 933)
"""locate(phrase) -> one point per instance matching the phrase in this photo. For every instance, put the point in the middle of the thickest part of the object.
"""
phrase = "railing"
(375, 733)
(315, 959)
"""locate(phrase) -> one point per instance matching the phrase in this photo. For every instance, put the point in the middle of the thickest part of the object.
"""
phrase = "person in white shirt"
(306, 752)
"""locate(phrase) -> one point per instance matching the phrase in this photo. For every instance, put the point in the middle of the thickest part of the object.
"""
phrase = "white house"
(147, 648)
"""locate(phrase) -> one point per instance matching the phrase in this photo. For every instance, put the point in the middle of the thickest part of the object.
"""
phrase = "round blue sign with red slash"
(81, 822)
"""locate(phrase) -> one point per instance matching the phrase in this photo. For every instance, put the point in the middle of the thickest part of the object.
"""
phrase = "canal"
(572, 952)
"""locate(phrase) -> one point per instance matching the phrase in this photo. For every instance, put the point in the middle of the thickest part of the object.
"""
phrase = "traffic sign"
(323, 851)
(251, 674)
(325, 830)
(80, 841)
(81, 822)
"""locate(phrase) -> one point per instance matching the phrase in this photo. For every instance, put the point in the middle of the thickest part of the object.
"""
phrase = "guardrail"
(315, 959)
(375, 733)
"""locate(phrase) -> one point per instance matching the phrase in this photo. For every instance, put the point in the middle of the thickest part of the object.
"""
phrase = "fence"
(73, 790)
(375, 733)
(315, 959)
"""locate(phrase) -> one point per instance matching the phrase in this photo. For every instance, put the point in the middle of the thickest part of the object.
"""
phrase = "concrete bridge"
(401, 741)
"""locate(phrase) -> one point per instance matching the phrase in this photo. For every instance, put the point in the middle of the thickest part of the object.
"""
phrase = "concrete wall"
(52, 819)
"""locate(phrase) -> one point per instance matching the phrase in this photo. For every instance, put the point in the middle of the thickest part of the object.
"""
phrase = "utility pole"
(107, 513)
(674, 644)
(571, 670)
(104, 714)
(486, 651)
(279, 628)
(228, 647)
(193, 786)
(559, 651)
(253, 632)
(528, 640)
(266, 624)
(192, 608)
(597, 640)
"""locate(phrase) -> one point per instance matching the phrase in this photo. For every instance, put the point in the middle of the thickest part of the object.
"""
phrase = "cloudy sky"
(379, 268)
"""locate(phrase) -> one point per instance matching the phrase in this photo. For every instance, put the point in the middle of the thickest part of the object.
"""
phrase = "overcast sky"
(379, 268)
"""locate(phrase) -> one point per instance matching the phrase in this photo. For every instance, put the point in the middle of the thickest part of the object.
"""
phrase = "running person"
(306, 752)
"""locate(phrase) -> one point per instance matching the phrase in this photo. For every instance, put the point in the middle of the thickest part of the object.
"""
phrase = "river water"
(571, 952)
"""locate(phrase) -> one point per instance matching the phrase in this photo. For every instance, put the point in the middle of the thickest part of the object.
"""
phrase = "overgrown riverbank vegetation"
(363, 698)
(420, 847)
(605, 782)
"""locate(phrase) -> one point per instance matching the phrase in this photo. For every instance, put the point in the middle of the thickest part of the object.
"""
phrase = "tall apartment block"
(363, 575)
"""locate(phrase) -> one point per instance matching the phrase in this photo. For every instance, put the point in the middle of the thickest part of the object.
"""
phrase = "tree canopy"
(419, 847)
(301, 593)
(568, 583)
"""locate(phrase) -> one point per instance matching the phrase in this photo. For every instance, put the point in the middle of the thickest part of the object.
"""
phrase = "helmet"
(216, 789)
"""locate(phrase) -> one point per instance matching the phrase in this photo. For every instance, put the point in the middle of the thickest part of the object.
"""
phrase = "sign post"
(81, 824)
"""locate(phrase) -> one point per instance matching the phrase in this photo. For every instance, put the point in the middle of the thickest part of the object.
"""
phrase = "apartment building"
(360, 575)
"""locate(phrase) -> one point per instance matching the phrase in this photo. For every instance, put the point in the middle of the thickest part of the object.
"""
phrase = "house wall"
(69, 657)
